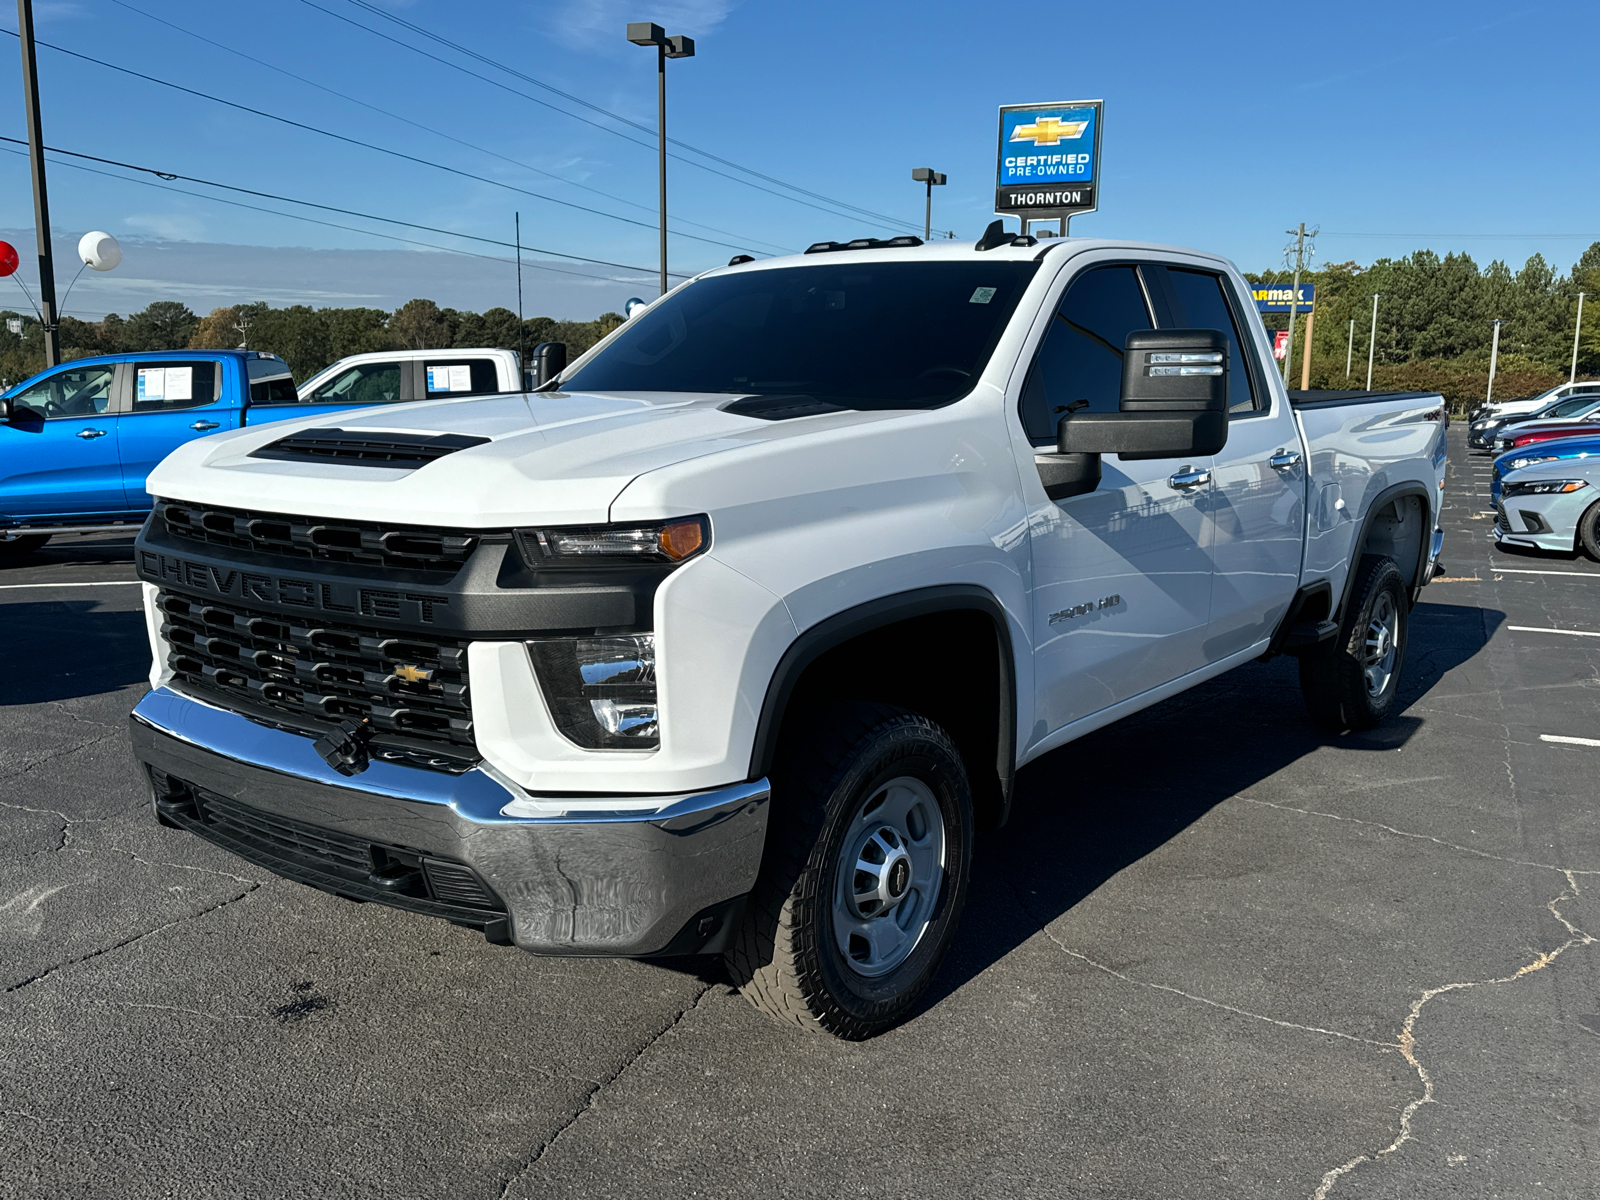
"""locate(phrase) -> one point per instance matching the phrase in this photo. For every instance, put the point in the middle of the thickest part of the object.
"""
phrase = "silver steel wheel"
(1378, 653)
(890, 870)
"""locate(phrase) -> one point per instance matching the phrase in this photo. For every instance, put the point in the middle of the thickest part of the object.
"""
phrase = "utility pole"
(1372, 342)
(1494, 361)
(1577, 329)
(41, 200)
(1299, 249)
(933, 179)
(522, 356)
(645, 33)
(1349, 350)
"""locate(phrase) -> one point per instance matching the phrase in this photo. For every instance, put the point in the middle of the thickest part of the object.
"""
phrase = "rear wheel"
(1351, 681)
(866, 873)
(1589, 531)
(27, 543)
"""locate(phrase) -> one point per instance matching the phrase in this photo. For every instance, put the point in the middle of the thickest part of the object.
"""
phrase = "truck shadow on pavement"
(63, 649)
(1083, 813)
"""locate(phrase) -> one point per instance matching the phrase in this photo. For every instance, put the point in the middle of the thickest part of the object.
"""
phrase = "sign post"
(1049, 161)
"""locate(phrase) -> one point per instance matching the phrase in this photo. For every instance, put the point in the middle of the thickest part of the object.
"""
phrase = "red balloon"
(8, 259)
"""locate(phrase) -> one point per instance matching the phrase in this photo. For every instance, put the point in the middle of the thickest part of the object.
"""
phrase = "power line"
(437, 166)
(251, 58)
(1497, 236)
(349, 212)
(378, 33)
(421, 31)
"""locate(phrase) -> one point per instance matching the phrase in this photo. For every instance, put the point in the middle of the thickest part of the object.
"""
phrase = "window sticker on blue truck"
(166, 383)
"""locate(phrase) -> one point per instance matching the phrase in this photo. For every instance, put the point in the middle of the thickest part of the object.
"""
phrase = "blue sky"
(1455, 126)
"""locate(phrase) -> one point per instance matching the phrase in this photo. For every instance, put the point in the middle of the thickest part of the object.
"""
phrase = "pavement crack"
(138, 937)
(1408, 1038)
(544, 1147)
(1198, 999)
(1423, 837)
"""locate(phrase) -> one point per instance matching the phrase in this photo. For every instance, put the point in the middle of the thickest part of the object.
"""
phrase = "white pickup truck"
(729, 639)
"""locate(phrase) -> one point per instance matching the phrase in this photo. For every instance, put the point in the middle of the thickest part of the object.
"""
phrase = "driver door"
(58, 452)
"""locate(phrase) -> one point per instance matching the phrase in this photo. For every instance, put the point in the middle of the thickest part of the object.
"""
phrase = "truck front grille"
(401, 547)
(410, 687)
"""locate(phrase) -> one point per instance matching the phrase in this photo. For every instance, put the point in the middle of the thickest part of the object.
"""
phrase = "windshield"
(860, 335)
(1571, 406)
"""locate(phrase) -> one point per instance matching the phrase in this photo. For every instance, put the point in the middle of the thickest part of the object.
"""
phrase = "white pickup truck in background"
(731, 639)
(392, 375)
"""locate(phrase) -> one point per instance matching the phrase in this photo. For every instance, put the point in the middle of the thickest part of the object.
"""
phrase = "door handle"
(202, 426)
(1283, 460)
(1189, 478)
(89, 434)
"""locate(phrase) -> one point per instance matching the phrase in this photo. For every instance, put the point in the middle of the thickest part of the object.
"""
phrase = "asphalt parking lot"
(1215, 953)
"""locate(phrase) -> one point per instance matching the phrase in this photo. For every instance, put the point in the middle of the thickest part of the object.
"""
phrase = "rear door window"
(1081, 355)
(1203, 298)
(460, 377)
(271, 382)
(365, 383)
(169, 385)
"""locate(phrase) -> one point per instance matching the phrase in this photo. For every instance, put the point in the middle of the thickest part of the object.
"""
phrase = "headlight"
(1543, 487)
(1516, 464)
(601, 690)
(614, 545)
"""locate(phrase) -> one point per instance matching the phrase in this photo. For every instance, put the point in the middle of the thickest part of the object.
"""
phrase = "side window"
(1081, 355)
(163, 386)
(368, 383)
(462, 377)
(1204, 301)
(73, 392)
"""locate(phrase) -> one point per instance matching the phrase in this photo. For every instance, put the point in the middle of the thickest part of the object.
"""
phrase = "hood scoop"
(781, 408)
(406, 451)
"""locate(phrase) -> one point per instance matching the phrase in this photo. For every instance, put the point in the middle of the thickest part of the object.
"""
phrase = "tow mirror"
(547, 361)
(1174, 404)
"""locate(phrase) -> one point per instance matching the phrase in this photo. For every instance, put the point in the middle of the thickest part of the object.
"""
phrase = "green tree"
(164, 325)
(420, 325)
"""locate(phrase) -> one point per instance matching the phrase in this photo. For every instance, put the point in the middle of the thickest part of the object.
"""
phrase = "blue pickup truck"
(77, 441)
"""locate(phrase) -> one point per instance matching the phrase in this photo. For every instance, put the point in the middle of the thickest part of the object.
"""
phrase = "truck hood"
(552, 457)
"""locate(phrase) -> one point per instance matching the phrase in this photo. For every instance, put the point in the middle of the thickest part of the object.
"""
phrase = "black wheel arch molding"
(882, 614)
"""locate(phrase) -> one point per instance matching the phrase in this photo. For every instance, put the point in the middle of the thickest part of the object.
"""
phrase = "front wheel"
(1589, 531)
(866, 873)
(1351, 681)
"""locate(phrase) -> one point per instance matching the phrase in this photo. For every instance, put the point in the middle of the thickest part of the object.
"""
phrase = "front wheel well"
(951, 666)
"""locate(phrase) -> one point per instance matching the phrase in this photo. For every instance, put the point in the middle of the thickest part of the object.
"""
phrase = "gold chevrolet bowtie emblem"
(412, 674)
(1049, 131)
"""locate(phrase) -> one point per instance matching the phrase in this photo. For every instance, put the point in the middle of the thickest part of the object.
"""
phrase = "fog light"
(601, 690)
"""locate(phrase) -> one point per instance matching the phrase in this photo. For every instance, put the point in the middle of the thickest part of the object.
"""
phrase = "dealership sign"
(1049, 159)
(1275, 297)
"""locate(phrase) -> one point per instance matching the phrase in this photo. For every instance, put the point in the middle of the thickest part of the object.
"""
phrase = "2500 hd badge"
(1078, 610)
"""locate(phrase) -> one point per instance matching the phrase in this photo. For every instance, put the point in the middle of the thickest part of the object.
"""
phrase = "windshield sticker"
(983, 295)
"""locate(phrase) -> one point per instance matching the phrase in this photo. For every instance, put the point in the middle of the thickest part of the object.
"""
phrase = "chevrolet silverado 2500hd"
(729, 638)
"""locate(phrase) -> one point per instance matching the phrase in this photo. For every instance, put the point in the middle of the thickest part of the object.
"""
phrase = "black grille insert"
(401, 876)
(403, 547)
(405, 450)
(410, 687)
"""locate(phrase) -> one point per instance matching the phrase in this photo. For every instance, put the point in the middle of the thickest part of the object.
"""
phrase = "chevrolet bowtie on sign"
(1049, 159)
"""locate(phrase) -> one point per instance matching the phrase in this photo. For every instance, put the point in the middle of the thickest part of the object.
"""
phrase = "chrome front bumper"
(624, 876)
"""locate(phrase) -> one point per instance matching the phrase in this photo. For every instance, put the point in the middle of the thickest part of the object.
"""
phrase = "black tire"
(1589, 532)
(27, 543)
(1334, 678)
(787, 960)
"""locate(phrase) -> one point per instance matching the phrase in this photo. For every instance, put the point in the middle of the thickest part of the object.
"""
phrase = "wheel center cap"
(899, 877)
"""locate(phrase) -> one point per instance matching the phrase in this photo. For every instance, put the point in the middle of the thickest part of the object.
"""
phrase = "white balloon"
(99, 250)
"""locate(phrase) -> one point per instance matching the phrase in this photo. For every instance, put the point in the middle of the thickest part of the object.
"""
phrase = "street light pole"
(1349, 350)
(1577, 329)
(645, 33)
(1372, 342)
(932, 178)
(41, 200)
(1494, 361)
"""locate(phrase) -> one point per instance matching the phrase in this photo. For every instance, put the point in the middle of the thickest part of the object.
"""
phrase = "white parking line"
(1530, 571)
(1569, 741)
(1536, 629)
(13, 587)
